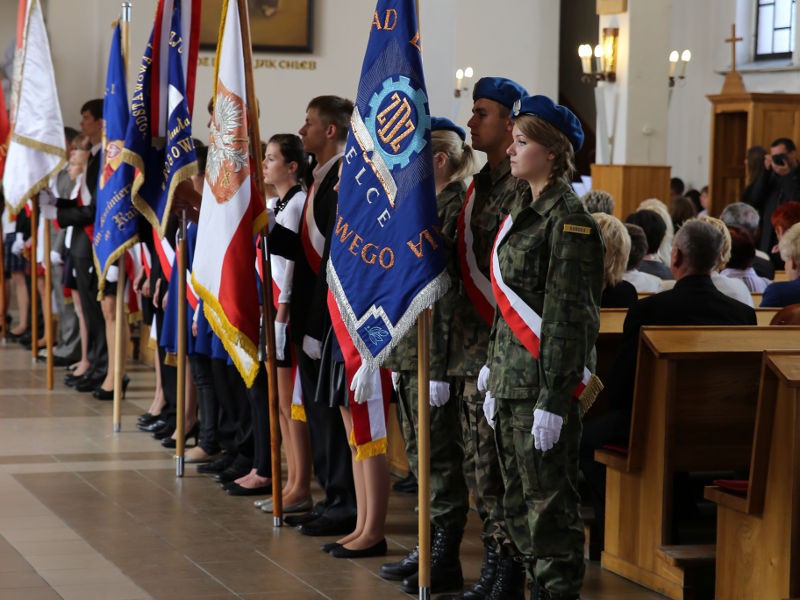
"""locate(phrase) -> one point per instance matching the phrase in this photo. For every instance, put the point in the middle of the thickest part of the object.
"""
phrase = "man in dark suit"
(80, 215)
(324, 134)
(693, 301)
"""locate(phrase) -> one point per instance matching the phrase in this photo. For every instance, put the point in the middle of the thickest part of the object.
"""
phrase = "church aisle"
(87, 514)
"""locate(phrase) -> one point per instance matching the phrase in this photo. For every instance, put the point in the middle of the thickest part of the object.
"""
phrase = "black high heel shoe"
(102, 394)
(169, 442)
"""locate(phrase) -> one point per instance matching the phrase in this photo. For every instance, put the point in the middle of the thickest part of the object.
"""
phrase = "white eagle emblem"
(228, 148)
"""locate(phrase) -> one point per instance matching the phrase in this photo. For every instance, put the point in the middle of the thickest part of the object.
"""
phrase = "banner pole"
(423, 452)
(3, 298)
(34, 279)
(266, 270)
(48, 307)
(119, 309)
(180, 420)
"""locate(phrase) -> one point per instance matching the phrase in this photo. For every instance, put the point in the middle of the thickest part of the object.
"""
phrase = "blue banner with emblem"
(161, 163)
(386, 256)
(115, 223)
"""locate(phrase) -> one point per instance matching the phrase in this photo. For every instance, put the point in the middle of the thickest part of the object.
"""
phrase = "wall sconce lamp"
(677, 63)
(461, 86)
(604, 67)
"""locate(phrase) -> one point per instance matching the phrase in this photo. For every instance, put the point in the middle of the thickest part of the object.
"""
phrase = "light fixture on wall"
(461, 85)
(677, 65)
(604, 67)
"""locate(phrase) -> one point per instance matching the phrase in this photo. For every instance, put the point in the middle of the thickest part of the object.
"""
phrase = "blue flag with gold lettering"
(161, 163)
(115, 222)
(386, 256)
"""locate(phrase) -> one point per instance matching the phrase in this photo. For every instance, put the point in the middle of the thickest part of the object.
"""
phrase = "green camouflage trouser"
(449, 502)
(481, 466)
(541, 500)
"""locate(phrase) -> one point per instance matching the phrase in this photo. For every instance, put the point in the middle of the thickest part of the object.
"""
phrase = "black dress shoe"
(234, 489)
(166, 431)
(147, 418)
(169, 442)
(295, 520)
(330, 546)
(152, 425)
(326, 526)
(232, 473)
(89, 384)
(405, 567)
(72, 380)
(216, 466)
(378, 549)
(102, 394)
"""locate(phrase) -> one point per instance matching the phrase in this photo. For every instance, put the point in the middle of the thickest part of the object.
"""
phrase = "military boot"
(481, 588)
(407, 566)
(509, 584)
(446, 575)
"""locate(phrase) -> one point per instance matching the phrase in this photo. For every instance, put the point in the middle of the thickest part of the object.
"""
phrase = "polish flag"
(232, 211)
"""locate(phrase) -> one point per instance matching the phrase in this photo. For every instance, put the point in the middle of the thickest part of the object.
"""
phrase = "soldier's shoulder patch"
(569, 228)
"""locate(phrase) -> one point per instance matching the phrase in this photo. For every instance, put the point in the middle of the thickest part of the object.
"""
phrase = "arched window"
(775, 25)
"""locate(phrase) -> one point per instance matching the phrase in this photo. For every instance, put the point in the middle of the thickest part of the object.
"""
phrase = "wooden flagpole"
(3, 298)
(423, 439)
(34, 279)
(119, 308)
(180, 418)
(48, 306)
(266, 270)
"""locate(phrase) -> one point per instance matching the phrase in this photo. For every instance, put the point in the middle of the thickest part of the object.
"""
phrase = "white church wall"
(703, 27)
(516, 38)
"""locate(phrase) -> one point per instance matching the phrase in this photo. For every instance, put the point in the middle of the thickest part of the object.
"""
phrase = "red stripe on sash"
(470, 273)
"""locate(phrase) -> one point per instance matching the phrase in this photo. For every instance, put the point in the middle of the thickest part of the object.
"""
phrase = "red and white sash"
(165, 252)
(276, 289)
(312, 238)
(477, 285)
(521, 318)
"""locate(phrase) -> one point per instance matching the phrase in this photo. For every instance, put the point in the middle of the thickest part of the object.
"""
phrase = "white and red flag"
(232, 211)
(36, 150)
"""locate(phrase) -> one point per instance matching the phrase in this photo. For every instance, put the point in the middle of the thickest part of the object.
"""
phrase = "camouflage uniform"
(558, 271)
(449, 503)
(495, 194)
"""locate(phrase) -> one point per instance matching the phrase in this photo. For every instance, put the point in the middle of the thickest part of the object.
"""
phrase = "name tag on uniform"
(577, 229)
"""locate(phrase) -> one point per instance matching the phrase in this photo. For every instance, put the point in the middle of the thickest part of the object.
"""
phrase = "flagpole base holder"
(424, 593)
(117, 427)
(277, 522)
(179, 466)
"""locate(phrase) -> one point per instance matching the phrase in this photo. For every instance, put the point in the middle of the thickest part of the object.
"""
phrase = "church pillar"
(631, 156)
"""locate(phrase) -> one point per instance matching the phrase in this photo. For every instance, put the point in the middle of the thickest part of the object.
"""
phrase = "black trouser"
(235, 432)
(330, 453)
(258, 395)
(200, 365)
(97, 353)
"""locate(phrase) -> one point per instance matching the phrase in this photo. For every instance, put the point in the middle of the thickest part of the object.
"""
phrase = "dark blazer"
(693, 301)
(782, 293)
(69, 213)
(308, 311)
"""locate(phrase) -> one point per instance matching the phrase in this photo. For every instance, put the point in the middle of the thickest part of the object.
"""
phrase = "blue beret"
(443, 124)
(499, 89)
(558, 116)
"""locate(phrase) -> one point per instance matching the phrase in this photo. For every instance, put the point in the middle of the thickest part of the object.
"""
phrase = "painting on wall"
(275, 25)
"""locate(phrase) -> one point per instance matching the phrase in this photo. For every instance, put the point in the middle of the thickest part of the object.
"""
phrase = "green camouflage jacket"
(553, 259)
(404, 356)
(495, 195)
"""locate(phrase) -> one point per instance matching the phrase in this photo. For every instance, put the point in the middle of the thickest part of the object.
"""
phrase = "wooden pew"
(756, 297)
(693, 410)
(758, 534)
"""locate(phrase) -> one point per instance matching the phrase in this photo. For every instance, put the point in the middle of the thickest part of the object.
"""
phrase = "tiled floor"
(86, 513)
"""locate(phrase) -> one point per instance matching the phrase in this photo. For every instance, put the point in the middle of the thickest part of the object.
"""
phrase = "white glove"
(18, 245)
(113, 274)
(439, 393)
(46, 198)
(49, 212)
(280, 340)
(546, 429)
(312, 347)
(55, 258)
(396, 381)
(365, 383)
(488, 409)
(483, 379)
